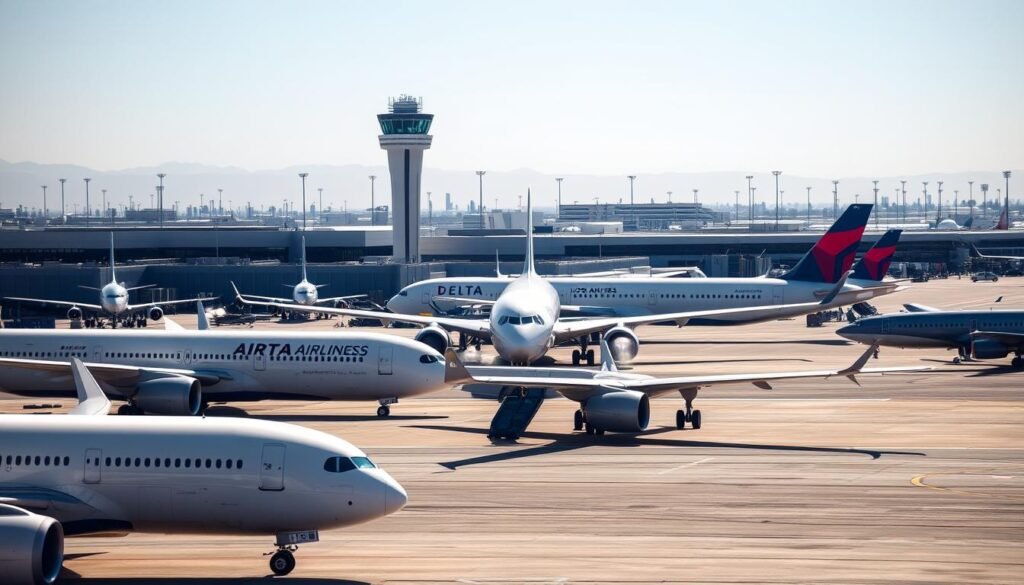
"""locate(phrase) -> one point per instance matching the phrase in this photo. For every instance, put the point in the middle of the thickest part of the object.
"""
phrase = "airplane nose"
(848, 331)
(395, 497)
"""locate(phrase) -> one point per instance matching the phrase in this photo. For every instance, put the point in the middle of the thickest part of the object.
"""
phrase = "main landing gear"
(689, 415)
(580, 423)
(385, 406)
(578, 355)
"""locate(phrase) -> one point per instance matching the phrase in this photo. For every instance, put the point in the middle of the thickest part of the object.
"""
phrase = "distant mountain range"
(20, 185)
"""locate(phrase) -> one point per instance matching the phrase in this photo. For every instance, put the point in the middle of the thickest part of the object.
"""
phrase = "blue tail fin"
(832, 255)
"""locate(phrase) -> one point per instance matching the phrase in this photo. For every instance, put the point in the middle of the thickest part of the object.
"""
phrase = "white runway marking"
(685, 465)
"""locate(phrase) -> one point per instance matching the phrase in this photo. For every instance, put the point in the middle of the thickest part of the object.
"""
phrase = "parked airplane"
(975, 334)
(113, 301)
(85, 474)
(177, 372)
(976, 253)
(525, 318)
(616, 401)
(870, 270)
(306, 293)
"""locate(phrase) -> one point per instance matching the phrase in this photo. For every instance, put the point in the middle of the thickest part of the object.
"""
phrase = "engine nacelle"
(623, 343)
(986, 349)
(74, 313)
(625, 411)
(177, 396)
(31, 547)
(434, 337)
(156, 313)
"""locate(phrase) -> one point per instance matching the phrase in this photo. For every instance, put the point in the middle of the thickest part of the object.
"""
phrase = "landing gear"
(129, 409)
(1017, 363)
(689, 415)
(385, 406)
(577, 421)
(383, 411)
(578, 355)
(282, 563)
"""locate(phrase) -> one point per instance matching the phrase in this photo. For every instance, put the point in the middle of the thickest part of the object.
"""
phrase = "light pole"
(750, 198)
(201, 197)
(669, 194)
(220, 202)
(876, 204)
(87, 200)
(481, 174)
(62, 198)
(104, 202)
(558, 212)
(808, 206)
(631, 179)
(44, 205)
(430, 209)
(903, 188)
(776, 173)
(373, 216)
(925, 191)
(737, 192)
(970, 198)
(160, 191)
(938, 208)
(321, 208)
(303, 177)
(896, 198)
(835, 200)
(1006, 176)
(695, 200)
(984, 200)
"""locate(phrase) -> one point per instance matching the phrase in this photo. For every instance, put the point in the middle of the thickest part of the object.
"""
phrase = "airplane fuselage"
(940, 329)
(114, 298)
(305, 293)
(523, 318)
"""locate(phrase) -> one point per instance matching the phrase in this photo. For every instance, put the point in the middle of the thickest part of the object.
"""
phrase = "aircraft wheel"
(575, 357)
(282, 562)
(590, 428)
(956, 360)
(383, 411)
(590, 357)
(695, 419)
(1017, 362)
(129, 410)
(577, 421)
(680, 419)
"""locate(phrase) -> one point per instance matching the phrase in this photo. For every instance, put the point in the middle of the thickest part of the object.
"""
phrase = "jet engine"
(986, 349)
(175, 396)
(74, 313)
(623, 343)
(624, 411)
(31, 547)
(435, 337)
(156, 313)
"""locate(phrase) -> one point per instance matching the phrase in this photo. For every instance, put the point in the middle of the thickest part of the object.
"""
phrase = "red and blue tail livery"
(833, 254)
(874, 264)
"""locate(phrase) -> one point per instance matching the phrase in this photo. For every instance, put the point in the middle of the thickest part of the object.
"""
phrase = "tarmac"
(909, 478)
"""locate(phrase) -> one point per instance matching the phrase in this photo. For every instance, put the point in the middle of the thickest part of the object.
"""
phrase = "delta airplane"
(306, 293)
(616, 401)
(113, 301)
(975, 334)
(178, 372)
(86, 474)
(525, 319)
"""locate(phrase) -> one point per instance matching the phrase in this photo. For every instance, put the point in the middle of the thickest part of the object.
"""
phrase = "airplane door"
(97, 354)
(91, 474)
(259, 361)
(652, 298)
(974, 326)
(188, 356)
(272, 468)
(384, 360)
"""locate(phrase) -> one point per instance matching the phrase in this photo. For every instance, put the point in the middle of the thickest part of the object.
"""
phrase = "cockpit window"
(339, 464)
(429, 359)
(403, 293)
(503, 319)
(363, 463)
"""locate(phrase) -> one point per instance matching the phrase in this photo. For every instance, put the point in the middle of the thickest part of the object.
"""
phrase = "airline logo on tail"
(874, 265)
(832, 255)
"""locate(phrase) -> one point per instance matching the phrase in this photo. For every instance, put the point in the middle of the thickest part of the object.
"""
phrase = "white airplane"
(306, 293)
(113, 300)
(85, 473)
(177, 372)
(525, 320)
(611, 400)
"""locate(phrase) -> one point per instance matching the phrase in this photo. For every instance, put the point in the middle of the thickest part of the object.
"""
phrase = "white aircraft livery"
(175, 372)
(113, 301)
(85, 473)
(306, 293)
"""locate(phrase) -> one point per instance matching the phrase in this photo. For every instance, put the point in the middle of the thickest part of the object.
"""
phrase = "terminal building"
(640, 216)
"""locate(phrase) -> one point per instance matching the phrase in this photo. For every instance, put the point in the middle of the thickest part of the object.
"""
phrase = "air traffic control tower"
(404, 135)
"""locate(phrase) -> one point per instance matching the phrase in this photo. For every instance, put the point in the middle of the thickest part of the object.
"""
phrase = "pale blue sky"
(816, 87)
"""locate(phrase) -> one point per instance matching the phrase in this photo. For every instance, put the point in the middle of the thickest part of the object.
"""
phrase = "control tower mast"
(404, 135)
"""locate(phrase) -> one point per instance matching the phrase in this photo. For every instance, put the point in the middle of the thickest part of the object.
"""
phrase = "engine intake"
(74, 313)
(31, 547)
(624, 411)
(623, 343)
(156, 313)
(986, 349)
(177, 396)
(434, 337)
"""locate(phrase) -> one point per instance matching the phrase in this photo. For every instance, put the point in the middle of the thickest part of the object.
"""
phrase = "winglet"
(204, 322)
(838, 288)
(607, 360)
(528, 268)
(858, 365)
(91, 399)
(455, 372)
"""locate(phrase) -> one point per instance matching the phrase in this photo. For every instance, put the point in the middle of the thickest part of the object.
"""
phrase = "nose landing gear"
(283, 561)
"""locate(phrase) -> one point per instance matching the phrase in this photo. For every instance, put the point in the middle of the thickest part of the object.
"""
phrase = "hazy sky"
(824, 88)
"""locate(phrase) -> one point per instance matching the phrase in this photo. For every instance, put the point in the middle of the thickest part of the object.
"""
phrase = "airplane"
(306, 293)
(870, 270)
(976, 253)
(616, 401)
(179, 372)
(525, 320)
(86, 474)
(113, 301)
(975, 334)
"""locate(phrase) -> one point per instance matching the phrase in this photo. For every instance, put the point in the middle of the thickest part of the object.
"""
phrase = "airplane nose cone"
(851, 332)
(395, 497)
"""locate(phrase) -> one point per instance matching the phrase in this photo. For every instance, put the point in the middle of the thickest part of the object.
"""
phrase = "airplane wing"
(476, 327)
(341, 298)
(165, 303)
(58, 303)
(1006, 338)
(119, 378)
(272, 299)
(579, 388)
(91, 399)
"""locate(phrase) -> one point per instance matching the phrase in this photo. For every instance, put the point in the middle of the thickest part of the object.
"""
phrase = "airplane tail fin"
(497, 265)
(967, 224)
(113, 277)
(528, 267)
(833, 254)
(875, 263)
(303, 258)
(1004, 221)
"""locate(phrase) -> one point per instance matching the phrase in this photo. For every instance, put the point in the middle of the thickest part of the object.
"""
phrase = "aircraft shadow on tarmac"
(231, 411)
(635, 363)
(561, 443)
(836, 342)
